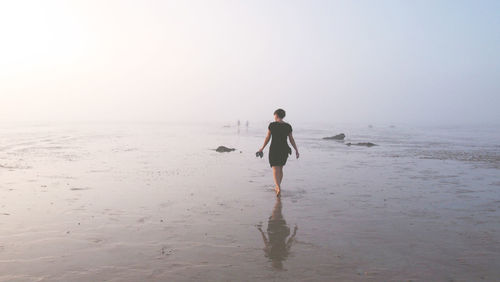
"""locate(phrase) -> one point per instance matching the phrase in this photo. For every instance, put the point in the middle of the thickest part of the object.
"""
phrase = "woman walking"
(278, 131)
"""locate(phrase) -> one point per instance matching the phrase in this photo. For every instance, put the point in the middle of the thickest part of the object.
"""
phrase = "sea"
(154, 201)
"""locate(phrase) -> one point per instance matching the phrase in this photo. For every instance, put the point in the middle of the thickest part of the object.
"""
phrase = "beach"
(156, 202)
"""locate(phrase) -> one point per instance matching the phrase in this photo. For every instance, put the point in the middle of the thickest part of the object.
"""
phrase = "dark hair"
(280, 112)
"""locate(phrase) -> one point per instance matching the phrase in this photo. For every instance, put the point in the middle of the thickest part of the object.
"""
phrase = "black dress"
(279, 150)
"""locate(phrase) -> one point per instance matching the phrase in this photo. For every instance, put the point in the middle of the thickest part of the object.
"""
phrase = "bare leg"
(278, 176)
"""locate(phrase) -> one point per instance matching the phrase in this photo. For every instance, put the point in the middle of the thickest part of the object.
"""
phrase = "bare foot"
(278, 191)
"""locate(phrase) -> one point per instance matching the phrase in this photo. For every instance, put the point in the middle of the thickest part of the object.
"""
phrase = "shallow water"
(152, 201)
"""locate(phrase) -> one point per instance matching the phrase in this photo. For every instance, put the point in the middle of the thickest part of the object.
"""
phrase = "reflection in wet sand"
(136, 204)
(277, 247)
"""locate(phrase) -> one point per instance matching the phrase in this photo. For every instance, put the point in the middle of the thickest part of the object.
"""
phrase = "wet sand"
(132, 202)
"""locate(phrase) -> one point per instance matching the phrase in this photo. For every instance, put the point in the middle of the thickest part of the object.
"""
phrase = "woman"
(279, 150)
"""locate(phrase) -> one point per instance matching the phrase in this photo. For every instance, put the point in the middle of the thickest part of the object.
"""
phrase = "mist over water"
(426, 62)
(111, 111)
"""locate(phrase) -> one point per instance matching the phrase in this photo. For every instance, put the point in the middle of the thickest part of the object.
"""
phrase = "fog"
(336, 61)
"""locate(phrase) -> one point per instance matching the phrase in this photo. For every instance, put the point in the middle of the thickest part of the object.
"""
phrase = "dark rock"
(223, 149)
(366, 144)
(340, 136)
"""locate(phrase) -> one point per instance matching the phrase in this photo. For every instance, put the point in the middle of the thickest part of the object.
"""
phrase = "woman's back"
(279, 133)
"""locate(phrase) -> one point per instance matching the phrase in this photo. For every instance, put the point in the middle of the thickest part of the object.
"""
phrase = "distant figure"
(238, 123)
(279, 150)
(247, 124)
(277, 247)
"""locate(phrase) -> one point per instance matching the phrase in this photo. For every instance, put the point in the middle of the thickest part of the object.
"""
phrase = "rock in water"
(366, 144)
(224, 149)
(340, 136)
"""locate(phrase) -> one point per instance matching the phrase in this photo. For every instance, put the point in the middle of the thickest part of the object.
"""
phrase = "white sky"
(346, 61)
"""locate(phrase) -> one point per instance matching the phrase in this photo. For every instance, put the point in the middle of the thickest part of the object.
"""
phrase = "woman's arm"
(268, 137)
(292, 141)
(264, 238)
(291, 239)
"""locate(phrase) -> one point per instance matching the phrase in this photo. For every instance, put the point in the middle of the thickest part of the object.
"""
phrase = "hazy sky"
(347, 61)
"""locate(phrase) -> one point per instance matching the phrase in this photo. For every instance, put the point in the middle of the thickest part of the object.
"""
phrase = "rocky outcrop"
(366, 144)
(224, 149)
(340, 136)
